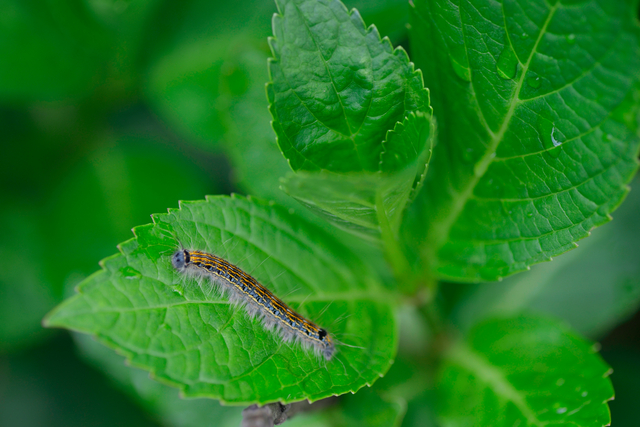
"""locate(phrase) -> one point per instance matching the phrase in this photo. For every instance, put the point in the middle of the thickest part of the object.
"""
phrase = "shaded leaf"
(119, 185)
(367, 408)
(25, 291)
(49, 386)
(524, 371)
(158, 399)
(55, 50)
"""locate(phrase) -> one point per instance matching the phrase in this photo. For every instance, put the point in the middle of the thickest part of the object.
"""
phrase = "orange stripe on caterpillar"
(257, 299)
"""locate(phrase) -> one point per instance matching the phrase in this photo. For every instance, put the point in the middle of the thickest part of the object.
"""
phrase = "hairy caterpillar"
(258, 300)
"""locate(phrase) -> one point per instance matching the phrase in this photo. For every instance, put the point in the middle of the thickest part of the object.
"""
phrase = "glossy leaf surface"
(189, 336)
(537, 145)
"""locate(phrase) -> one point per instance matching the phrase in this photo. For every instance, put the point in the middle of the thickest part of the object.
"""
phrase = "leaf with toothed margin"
(190, 337)
(346, 103)
(594, 288)
(336, 88)
(524, 371)
(532, 101)
(360, 202)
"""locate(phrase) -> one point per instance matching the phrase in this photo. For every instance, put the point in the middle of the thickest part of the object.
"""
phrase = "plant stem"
(395, 254)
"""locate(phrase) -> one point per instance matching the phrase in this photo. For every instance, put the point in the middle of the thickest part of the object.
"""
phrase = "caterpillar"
(242, 288)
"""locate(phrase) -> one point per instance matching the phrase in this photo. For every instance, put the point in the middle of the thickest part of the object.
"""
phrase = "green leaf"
(336, 88)
(593, 288)
(421, 411)
(192, 338)
(535, 151)
(524, 371)
(248, 139)
(359, 203)
(183, 24)
(369, 409)
(184, 86)
(346, 103)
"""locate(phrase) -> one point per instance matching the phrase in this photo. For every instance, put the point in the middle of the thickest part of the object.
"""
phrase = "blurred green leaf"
(25, 293)
(128, 23)
(49, 386)
(213, 93)
(249, 139)
(421, 411)
(71, 49)
(367, 408)
(50, 50)
(389, 16)
(158, 399)
(524, 371)
(534, 153)
(184, 87)
(593, 288)
(119, 183)
(180, 24)
(189, 337)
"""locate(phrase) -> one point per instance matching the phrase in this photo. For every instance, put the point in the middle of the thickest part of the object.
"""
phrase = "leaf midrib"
(333, 84)
(479, 366)
(483, 165)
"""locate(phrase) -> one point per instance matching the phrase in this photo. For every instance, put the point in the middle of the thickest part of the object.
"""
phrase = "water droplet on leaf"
(534, 81)
(571, 38)
(561, 410)
(551, 139)
(461, 71)
(467, 155)
(554, 141)
(130, 273)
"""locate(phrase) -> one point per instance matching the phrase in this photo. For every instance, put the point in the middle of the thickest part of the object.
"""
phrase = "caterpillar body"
(242, 288)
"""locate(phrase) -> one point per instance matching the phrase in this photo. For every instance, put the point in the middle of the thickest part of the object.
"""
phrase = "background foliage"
(123, 108)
